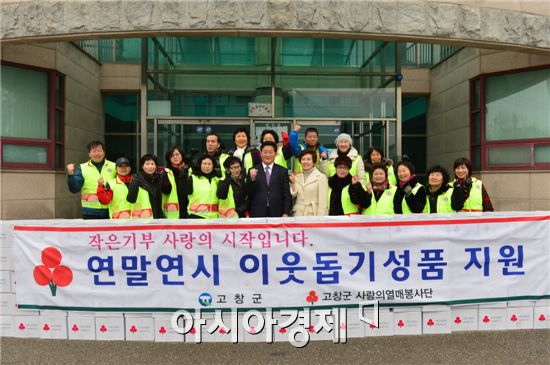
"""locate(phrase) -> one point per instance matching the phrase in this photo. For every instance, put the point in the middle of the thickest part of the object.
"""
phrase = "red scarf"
(380, 187)
(402, 183)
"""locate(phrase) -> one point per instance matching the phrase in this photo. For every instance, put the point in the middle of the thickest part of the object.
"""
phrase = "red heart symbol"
(400, 323)
(312, 293)
(252, 330)
(430, 322)
(311, 329)
(222, 331)
(162, 330)
(315, 298)
(103, 328)
(372, 326)
(282, 330)
(513, 318)
(75, 328)
(133, 329)
(486, 319)
(21, 326)
(343, 326)
(46, 327)
(542, 318)
(193, 331)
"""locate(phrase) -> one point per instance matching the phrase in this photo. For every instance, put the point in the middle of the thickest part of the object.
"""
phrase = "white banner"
(282, 263)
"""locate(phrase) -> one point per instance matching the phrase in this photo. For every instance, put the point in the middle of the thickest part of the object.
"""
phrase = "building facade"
(428, 79)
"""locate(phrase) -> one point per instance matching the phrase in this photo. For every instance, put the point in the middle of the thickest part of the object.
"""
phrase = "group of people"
(250, 181)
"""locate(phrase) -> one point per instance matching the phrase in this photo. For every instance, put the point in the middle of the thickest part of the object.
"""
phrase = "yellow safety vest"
(227, 205)
(474, 203)
(384, 205)
(119, 207)
(170, 202)
(142, 206)
(391, 176)
(443, 203)
(203, 202)
(347, 206)
(88, 192)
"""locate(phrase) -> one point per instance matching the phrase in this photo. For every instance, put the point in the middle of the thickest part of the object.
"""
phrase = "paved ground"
(506, 347)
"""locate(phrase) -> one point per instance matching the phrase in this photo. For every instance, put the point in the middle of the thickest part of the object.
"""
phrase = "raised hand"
(253, 173)
(70, 169)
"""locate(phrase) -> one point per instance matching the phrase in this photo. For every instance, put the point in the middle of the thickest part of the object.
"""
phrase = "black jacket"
(180, 176)
(457, 198)
(276, 195)
(416, 202)
(155, 185)
(239, 193)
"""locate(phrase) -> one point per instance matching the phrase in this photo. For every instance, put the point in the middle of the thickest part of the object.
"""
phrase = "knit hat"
(343, 136)
(343, 160)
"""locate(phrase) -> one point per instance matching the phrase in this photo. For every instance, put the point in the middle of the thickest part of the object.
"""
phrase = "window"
(510, 120)
(32, 117)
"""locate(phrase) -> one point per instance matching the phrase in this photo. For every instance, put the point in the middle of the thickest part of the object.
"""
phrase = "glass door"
(190, 135)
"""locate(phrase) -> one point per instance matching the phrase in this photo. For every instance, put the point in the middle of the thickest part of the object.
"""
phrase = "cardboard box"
(26, 326)
(541, 317)
(109, 328)
(492, 319)
(436, 320)
(140, 329)
(353, 326)
(6, 326)
(519, 318)
(164, 331)
(53, 326)
(254, 334)
(284, 327)
(407, 323)
(5, 281)
(81, 327)
(385, 324)
(464, 318)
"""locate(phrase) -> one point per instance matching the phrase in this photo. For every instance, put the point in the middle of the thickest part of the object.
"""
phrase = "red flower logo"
(51, 272)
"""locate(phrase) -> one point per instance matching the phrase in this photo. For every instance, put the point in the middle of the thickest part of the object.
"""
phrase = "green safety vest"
(170, 202)
(404, 205)
(119, 207)
(384, 205)
(142, 206)
(227, 205)
(474, 203)
(204, 201)
(353, 171)
(443, 203)
(347, 206)
(88, 192)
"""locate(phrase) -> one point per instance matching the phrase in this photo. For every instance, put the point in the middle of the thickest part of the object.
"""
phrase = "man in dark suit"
(267, 186)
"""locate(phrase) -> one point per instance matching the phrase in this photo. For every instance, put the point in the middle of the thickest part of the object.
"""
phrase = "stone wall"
(44, 194)
(466, 24)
